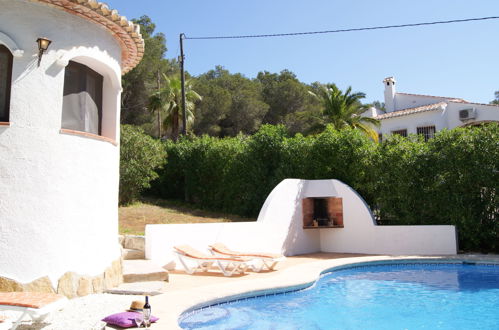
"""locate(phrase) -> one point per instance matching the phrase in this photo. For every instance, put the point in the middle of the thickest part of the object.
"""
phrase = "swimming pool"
(378, 296)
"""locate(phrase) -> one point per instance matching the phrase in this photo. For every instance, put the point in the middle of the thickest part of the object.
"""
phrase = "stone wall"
(71, 284)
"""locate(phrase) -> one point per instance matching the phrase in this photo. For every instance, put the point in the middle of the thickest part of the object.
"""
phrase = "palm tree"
(169, 99)
(156, 104)
(343, 110)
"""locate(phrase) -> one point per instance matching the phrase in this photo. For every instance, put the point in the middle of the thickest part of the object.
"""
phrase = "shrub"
(140, 156)
(452, 179)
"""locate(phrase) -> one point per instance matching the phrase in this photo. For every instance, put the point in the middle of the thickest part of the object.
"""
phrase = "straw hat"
(136, 305)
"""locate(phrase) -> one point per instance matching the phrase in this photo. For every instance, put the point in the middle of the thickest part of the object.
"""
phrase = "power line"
(344, 30)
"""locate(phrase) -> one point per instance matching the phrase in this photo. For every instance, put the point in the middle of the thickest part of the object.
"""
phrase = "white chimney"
(389, 93)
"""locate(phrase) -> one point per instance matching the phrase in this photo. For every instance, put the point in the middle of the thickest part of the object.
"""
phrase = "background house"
(59, 136)
(424, 114)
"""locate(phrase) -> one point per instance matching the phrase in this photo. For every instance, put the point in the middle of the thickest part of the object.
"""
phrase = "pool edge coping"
(211, 295)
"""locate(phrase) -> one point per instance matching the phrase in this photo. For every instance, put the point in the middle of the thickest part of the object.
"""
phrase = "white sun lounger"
(228, 265)
(35, 304)
(267, 260)
(5, 323)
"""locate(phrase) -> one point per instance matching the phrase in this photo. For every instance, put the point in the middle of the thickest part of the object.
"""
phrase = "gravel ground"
(82, 313)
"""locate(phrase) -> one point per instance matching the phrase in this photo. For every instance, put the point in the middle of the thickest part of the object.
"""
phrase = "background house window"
(401, 132)
(5, 82)
(82, 102)
(427, 131)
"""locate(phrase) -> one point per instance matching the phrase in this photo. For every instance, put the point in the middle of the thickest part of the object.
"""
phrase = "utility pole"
(184, 119)
(159, 110)
(182, 79)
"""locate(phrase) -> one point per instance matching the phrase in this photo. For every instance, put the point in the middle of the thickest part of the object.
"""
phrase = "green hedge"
(452, 179)
(140, 157)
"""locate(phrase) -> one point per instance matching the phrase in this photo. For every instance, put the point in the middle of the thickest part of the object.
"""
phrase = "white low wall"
(393, 240)
(160, 239)
(279, 229)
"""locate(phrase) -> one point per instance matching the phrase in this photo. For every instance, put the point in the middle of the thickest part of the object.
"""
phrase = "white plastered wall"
(279, 229)
(484, 113)
(437, 118)
(58, 192)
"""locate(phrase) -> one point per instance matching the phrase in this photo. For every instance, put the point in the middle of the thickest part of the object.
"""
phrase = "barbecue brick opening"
(322, 212)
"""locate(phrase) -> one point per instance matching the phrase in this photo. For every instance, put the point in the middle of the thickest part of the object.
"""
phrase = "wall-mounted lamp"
(43, 45)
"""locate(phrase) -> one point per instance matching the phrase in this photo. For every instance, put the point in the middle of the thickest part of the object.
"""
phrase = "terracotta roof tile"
(408, 111)
(487, 104)
(453, 99)
(126, 32)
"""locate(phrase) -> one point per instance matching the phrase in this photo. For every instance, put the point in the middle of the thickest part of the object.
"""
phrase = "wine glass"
(139, 320)
(147, 316)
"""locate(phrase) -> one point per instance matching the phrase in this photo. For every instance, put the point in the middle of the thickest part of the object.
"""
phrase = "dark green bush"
(140, 156)
(452, 179)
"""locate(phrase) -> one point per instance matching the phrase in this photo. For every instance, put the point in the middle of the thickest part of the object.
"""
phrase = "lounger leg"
(40, 318)
(257, 268)
(270, 266)
(204, 265)
(223, 268)
(187, 268)
(18, 322)
(226, 270)
(243, 268)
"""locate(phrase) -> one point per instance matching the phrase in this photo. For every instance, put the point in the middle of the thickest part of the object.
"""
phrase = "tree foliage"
(343, 109)
(168, 100)
(231, 104)
(139, 83)
(496, 100)
(140, 157)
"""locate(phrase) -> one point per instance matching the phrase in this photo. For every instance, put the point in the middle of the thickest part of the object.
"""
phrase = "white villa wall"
(484, 113)
(405, 101)
(435, 118)
(279, 229)
(58, 192)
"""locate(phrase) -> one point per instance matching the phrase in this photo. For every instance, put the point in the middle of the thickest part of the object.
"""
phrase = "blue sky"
(458, 60)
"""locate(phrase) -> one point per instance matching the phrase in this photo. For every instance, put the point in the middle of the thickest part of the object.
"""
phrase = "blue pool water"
(395, 296)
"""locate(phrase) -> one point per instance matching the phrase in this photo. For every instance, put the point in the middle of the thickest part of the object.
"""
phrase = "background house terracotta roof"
(487, 104)
(126, 32)
(408, 111)
(453, 99)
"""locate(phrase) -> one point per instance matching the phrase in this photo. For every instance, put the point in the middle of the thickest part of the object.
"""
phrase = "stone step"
(142, 271)
(134, 242)
(151, 288)
(133, 254)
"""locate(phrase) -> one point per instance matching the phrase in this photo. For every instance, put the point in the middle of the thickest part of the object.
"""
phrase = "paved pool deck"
(205, 288)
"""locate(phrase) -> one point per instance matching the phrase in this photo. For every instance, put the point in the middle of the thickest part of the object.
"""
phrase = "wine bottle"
(146, 311)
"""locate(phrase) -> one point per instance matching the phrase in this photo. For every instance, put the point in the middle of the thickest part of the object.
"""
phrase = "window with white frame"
(427, 131)
(82, 102)
(5, 82)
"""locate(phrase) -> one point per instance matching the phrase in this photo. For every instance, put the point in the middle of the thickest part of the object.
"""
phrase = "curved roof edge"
(126, 32)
